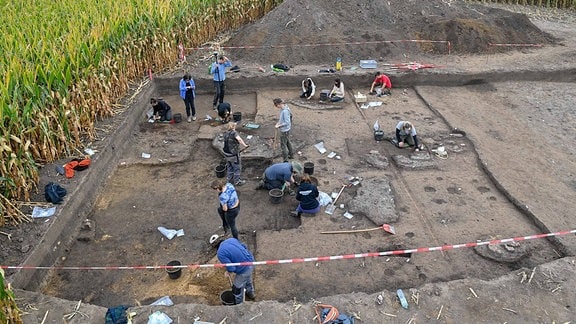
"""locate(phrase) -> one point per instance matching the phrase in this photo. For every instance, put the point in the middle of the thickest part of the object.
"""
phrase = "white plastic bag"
(324, 199)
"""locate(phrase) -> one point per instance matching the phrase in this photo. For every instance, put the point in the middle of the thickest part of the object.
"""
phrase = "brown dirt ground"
(503, 179)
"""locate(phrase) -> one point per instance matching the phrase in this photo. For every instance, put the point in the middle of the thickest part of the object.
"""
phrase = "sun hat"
(297, 167)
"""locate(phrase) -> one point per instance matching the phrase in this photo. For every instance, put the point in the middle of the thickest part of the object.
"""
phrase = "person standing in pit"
(187, 94)
(229, 206)
(231, 151)
(218, 69)
(284, 125)
(233, 251)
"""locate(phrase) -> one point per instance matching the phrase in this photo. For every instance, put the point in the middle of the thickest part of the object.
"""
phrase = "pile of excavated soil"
(302, 24)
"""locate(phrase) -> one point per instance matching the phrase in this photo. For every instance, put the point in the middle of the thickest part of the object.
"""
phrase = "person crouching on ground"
(162, 111)
(233, 251)
(406, 135)
(280, 176)
(224, 111)
(229, 206)
(337, 93)
(231, 151)
(307, 195)
(308, 88)
(383, 83)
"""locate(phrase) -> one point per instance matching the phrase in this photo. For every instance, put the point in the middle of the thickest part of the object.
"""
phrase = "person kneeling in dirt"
(229, 206)
(224, 112)
(308, 88)
(233, 251)
(280, 176)
(231, 151)
(382, 81)
(406, 135)
(307, 195)
(337, 93)
(162, 111)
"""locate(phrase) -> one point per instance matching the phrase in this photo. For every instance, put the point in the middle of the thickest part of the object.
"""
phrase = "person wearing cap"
(280, 176)
(229, 206)
(284, 125)
(406, 135)
(233, 251)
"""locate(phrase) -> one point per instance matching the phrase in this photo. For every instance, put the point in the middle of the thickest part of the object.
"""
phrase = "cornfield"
(560, 4)
(65, 63)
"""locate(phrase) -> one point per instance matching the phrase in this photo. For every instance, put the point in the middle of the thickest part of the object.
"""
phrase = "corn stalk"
(67, 62)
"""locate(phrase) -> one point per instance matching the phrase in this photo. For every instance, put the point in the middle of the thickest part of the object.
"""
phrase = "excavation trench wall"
(80, 200)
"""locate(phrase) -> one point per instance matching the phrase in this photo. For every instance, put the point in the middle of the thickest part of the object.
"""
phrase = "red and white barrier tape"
(448, 44)
(312, 259)
(515, 45)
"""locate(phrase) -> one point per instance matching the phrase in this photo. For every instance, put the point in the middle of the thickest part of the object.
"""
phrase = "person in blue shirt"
(218, 69)
(280, 175)
(233, 251)
(229, 206)
(307, 195)
(284, 125)
(187, 94)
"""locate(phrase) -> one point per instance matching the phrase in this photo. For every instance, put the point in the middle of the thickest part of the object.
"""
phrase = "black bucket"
(379, 135)
(276, 195)
(227, 298)
(174, 273)
(309, 168)
(220, 170)
(237, 117)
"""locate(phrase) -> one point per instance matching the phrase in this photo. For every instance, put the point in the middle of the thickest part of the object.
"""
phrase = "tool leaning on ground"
(332, 207)
(388, 228)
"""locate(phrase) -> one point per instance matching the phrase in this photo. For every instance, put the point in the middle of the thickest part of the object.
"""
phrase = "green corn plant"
(65, 63)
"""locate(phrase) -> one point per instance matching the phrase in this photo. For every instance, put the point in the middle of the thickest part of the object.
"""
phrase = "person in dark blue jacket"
(233, 251)
(307, 195)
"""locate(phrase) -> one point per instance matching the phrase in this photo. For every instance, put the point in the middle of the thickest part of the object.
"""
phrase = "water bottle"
(338, 64)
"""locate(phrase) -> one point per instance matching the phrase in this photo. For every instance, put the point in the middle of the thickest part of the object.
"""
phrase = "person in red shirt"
(382, 81)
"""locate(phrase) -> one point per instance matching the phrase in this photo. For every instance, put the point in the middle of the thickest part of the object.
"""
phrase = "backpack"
(328, 314)
(54, 193)
(117, 315)
(75, 165)
(230, 144)
(280, 67)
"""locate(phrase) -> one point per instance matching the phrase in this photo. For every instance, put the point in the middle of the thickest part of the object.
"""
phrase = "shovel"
(332, 207)
(388, 228)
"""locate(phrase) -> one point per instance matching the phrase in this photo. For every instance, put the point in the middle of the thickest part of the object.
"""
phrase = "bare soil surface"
(509, 172)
